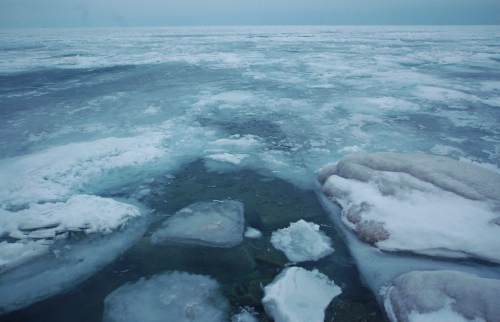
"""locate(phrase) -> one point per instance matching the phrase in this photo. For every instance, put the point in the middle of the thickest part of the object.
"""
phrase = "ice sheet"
(302, 241)
(420, 203)
(209, 223)
(56, 173)
(299, 295)
(177, 296)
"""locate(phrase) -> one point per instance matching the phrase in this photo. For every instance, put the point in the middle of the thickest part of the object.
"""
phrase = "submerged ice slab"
(172, 296)
(442, 296)
(298, 295)
(302, 241)
(420, 203)
(211, 223)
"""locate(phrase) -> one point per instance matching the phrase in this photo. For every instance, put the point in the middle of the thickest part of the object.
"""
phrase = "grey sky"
(98, 13)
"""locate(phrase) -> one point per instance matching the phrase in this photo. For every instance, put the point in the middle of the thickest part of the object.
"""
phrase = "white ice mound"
(298, 295)
(210, 223)
(420, 203)
(302, 241)
(68, 263)
(33, 230)
(442, 296)
(253, 233)
(172, 296)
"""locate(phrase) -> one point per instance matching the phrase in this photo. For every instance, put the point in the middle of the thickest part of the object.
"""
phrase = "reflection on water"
(269, 204)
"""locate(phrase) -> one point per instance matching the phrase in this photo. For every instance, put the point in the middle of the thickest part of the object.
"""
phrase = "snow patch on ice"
(212, 223)
(55, 173)
(298, 295)
(302, 241)
(228, 157)
(420, 203)
(89, 214)
(442, 296)
(177, 296)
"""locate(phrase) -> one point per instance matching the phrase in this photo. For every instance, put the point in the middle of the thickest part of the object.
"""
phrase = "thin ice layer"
(442, 296)
(172, 296)
(420, 203)
(302, 241)
(68, 264)
(298, 295)
(211, 223)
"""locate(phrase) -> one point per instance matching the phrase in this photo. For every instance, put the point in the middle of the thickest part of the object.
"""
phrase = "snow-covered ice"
(297, 295)
(423, 296)
(218, 223)
(171, 296)
(36, 227)
(421, 203)
(68, 264)
(302, 241)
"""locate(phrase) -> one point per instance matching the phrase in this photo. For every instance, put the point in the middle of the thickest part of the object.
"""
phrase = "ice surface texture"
(302, 241)
(443, 296)
(417, 202)
(298, 295)
(172, 296)
(210, 223)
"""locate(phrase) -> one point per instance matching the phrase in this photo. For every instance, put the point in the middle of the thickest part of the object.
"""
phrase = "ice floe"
(32, 230)
(421, 203)
(227, 157)
(172, 296)
(68, 263)
(422, 296)
(298, 295)
(208, 223)
(302, 241)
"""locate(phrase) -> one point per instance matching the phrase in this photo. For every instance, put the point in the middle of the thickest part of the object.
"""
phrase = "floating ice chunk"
(302, 241)
(237, 142)
(68, 264)
(246, 315)
(299, 295)
(253, 233)
(172, 296)
(211, 223)
(421, 203)
(442, 296)
(228, 157)
(45, 222)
